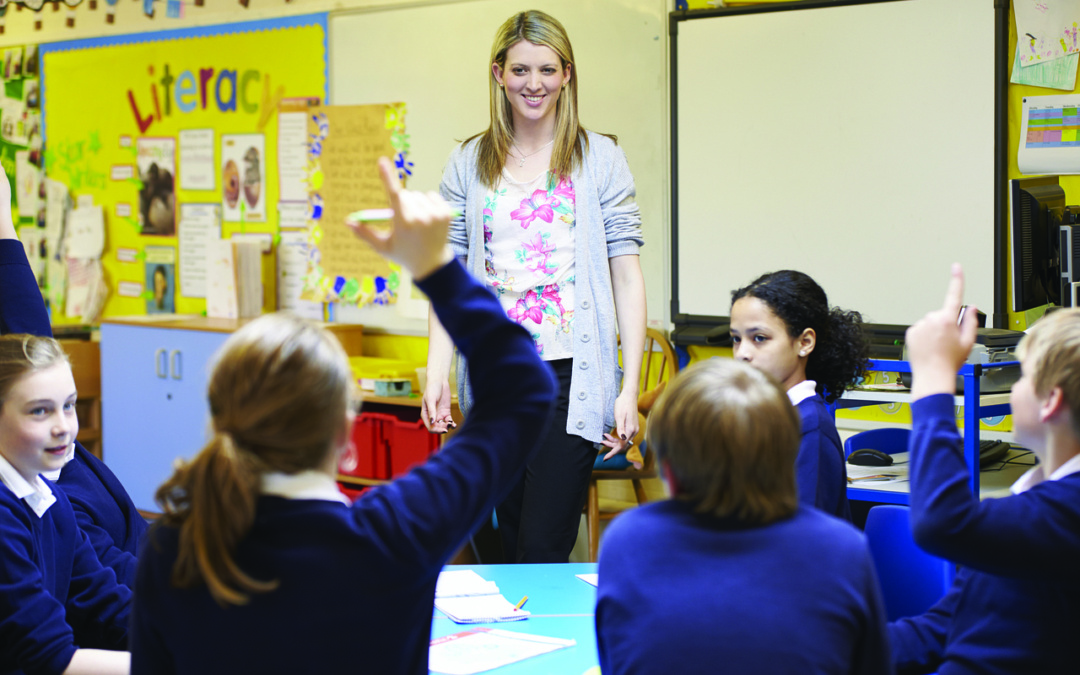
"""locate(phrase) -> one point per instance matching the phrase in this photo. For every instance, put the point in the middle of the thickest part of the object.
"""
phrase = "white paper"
(13, 120)
(81, 276)
(32, 238)
(292, 215)
(199, 225)
(1049, 148)
(197, 159)
(85, 232)
(457, 583)
(484, 649)
(1046, 29)
(292, 157)
(57, 204)
(243, 177)
(27, 185)
(292, 262)
(466, 597)
(591, 579)
(221, 297)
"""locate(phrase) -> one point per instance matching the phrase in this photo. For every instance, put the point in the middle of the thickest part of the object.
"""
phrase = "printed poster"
(243, 178)
(197, 159)
(156, 162)
(1049, 135)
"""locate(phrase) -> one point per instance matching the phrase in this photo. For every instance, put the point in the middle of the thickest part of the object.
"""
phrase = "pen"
(521, 602)
(367, 215)
(960, 318)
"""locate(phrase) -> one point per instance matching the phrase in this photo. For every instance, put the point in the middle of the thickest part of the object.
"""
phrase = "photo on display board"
(13, 63)
(243, 177)
(30, 61)
(156, 160)
(160, 280)
(32, 94)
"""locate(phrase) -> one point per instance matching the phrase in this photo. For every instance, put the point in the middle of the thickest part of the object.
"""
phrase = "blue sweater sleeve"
(22, 309)
(873, 655)
(1038, 529)
(421, 518)
(918, 642)
(97, 606)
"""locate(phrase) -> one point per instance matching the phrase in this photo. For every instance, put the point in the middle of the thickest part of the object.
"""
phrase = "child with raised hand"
(733, 574)
(103, 509)
(782, 324)
(55, 597)
(258, 564)
(1015, 605)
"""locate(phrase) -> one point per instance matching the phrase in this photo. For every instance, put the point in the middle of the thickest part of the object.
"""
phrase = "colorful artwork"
(1046, 29)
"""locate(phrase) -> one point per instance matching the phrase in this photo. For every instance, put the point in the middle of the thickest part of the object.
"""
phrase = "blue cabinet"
(154, 408)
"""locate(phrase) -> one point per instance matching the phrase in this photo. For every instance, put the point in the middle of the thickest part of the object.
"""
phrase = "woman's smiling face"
(532, 79)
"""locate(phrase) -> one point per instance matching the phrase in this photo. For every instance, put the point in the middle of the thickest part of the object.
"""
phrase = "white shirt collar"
(37, 494)
(802, 391)
(310, 484)
(55, 475)
(1035, 476)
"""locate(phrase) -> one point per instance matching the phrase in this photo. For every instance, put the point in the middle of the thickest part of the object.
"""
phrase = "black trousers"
(539, 519)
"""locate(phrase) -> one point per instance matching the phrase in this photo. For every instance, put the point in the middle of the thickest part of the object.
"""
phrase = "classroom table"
(561, 605)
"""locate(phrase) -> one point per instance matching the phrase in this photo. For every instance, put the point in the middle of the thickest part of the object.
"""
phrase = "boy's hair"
(570, 140)
(279, 394)
(839, 358)
(1051, 355)
(22, 354)
(730, 437)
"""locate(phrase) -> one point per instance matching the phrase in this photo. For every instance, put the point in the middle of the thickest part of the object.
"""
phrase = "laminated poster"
(1049, 135)
(160, 280)
(156, 161)
(243, 178)
(345, 143)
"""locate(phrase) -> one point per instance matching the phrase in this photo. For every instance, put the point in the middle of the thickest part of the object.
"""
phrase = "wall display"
(156, 135)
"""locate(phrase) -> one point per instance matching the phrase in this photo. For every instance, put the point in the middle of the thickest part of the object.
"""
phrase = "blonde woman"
(551, 226)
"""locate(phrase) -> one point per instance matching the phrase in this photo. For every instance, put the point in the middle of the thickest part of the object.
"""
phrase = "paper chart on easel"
(1049, 135)
(345, 143)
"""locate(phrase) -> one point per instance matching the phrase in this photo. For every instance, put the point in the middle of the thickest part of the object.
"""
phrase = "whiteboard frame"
(701, 329)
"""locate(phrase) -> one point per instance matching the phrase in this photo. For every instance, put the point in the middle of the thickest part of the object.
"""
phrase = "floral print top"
(529, 257)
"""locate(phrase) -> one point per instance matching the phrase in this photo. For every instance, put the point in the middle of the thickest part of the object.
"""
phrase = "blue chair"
(911, 579)
(889, 440)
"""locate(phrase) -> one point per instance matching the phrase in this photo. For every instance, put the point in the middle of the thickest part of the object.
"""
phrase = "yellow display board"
(146, 124)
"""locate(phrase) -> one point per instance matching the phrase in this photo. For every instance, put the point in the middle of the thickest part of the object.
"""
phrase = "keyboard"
(991, 451)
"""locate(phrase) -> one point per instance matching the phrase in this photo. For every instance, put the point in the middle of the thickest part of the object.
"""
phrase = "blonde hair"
(570, 140)
(730, 437)
(1051, 357)
(279, 394)
(21, 355)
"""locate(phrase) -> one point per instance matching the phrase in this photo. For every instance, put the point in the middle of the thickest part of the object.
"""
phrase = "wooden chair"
(85, 359)
(657, 367)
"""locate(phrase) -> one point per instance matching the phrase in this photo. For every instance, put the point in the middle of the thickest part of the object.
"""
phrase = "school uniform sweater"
(357, 584)
(102, 507)
(820, 472)
(54, 593)
(690, 593)
(1015, 608)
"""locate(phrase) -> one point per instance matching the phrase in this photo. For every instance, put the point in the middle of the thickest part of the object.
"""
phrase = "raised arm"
(22, 309)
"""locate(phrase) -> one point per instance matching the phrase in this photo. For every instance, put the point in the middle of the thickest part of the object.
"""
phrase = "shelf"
(872, 397)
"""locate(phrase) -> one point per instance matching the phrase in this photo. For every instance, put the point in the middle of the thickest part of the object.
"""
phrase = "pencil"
(368, 215)
(521, 602)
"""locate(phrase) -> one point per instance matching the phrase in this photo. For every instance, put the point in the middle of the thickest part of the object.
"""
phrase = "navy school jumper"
(54, 593)
(102, 507)
(820, 472)
(357, 584)
(1015, 607)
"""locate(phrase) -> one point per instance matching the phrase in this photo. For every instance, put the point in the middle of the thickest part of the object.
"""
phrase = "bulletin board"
(434, 57)
(147, 124)
(861, 131)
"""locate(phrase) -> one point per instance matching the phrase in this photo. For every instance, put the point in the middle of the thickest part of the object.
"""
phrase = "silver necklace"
(521, 158)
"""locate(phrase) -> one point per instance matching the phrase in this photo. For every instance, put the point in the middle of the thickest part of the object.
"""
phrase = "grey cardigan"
(608, 224)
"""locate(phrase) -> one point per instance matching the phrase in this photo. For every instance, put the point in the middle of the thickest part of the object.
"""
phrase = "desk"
(562, 606)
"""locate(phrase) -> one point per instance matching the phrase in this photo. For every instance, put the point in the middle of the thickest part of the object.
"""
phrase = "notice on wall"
(156, 160)
(199, 225)
(197, 159)
(243, 177)
(1049, 136)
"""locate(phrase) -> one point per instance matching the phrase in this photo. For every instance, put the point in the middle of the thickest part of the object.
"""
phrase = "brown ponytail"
(279, 395)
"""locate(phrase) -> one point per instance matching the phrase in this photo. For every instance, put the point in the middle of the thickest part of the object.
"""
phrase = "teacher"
(550, 223)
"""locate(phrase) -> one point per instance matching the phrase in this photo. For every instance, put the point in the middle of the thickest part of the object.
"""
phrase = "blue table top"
(561, 606)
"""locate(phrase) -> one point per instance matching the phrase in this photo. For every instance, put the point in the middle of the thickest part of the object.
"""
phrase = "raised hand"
(938, 346)
(417, 238)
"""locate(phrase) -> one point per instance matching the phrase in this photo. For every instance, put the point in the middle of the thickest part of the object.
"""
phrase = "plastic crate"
(367, 455)
(409, 441)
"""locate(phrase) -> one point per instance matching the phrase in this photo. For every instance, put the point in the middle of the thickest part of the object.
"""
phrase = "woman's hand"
(435, 408)
(938, 345)
(626, 424)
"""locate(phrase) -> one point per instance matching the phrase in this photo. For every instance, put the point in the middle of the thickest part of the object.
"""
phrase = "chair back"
(911, 579)
(889, 440)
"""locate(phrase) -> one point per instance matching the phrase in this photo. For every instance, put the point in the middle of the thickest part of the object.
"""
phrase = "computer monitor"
(1036, 208)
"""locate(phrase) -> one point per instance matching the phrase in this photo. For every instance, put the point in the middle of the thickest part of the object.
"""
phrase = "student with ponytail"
(782, 324)
(258, 563)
